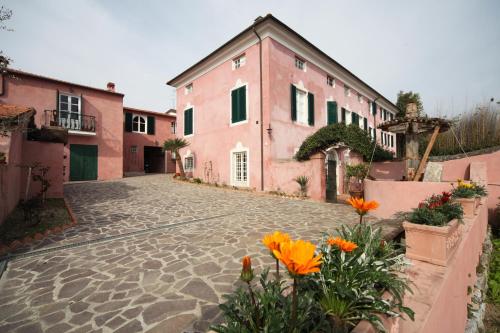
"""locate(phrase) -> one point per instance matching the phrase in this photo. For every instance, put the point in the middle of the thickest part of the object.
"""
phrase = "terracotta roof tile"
(11, 111)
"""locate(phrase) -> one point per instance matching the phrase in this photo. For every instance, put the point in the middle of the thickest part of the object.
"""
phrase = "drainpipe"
(261, 107)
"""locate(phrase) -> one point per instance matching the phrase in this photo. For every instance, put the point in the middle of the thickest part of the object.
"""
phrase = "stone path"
(169, 279)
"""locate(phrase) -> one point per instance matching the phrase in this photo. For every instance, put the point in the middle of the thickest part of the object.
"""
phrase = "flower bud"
(246, 271)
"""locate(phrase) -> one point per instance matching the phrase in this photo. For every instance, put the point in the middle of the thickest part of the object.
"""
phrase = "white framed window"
(188, 163)
(173, 127)
(300, 64)
(238, 62)
(70, 111)
(133, 149)
(139, 124)
(302, 111)
(330, 81)
(348, 117)
(347, 91)
(240, 168)
(188, 89)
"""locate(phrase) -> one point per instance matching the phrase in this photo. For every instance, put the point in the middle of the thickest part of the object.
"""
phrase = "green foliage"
(494, 276)
(273, 310)
(477, 129)
(480, 190)
(303, 182)
(352, 136)
(463, 192)
(5, 15)
(358, 171)
(427, 216)
(404, 98)
(437, 210)
(197, 180)
(174, 145)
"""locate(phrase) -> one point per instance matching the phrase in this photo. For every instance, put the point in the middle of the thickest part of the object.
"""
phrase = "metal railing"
(70, 120)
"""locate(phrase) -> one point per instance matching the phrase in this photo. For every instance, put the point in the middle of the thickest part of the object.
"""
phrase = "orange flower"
(342, 244)
(246, 271)
(273, 241)
(298, 257)
(362, 206)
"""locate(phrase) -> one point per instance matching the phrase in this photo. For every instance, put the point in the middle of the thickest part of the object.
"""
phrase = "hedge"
(352, 136)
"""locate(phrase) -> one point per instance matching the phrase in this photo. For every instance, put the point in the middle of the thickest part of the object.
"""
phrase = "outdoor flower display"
(468, 195)
(434, 221)
(350, 276)
(362, 207)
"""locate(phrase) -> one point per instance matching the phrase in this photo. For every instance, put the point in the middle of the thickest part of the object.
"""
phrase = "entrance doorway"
(154, 160)
(82, 162)
(331, 176)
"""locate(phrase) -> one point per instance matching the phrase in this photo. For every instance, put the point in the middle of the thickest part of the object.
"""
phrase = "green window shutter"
(343, 116)
(128, 122)
(374, 108)
(310, 108)
(365, 124)
(331, 113)
(234, 106)
(188, 121)
(238, 105)
(151, 125)
(293, 95)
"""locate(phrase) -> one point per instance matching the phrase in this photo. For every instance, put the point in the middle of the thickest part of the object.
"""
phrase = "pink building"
(247, 107)
(93, 117)
(143, 137)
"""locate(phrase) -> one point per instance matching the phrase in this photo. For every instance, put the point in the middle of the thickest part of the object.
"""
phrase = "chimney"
(111, 86)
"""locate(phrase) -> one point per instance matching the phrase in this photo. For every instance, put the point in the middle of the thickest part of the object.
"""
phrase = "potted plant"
(432, 229)
(355, 175)
(480, 191)
(465, 194)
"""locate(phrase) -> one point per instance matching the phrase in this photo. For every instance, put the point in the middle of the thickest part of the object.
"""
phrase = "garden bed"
(55, 216)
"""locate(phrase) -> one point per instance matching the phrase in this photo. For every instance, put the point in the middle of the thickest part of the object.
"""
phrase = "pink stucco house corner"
(92, 116)
(246, 108)
(143, 137)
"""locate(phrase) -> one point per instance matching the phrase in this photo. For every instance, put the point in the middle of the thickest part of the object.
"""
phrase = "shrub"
(303, 182)
(358, 171)
(352, 136)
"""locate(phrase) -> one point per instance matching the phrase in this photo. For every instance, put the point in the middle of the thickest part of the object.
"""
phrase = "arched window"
(139, 124)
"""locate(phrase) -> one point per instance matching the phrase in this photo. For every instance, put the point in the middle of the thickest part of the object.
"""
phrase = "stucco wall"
(134, 162)
(10, 174)
(106, 107)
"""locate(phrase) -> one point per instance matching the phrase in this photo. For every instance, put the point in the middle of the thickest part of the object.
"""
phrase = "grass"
(492, 317)
(54, 213)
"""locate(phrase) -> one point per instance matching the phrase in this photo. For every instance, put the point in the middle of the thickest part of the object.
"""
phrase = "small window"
(240, 168)
(360, 98)
(302, 112)
(189, 89)
(300, 64)
(133, 149)
(139, 124)
(238, 62)
(330, 81)
(188, 163)
(239, 105)
(347, 91)
(173, 127)
(188, 121)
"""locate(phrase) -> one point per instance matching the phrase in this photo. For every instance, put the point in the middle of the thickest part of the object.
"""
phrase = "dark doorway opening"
(154, 160)
(331, 181)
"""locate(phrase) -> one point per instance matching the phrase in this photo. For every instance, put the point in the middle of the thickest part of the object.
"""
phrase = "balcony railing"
(70, 120)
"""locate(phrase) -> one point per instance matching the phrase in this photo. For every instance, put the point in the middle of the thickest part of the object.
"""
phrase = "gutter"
(258, 19)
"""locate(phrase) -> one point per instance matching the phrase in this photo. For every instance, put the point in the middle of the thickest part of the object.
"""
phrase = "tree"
(404, 98)
(174, 145)
(5, 14)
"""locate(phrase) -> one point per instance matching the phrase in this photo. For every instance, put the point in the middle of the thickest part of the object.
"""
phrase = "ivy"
(351, 135)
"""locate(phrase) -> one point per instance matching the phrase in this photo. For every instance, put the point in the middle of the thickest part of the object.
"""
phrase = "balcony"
(75, 123)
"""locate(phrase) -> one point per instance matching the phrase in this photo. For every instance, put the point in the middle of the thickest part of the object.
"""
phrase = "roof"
(12, 111)
(40, 77)
(270, 18)
(165, 114)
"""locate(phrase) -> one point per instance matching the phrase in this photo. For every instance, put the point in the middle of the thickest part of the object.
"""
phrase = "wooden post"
(423, 161)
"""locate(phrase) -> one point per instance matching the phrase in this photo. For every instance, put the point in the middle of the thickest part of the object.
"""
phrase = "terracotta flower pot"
(430, 243)
(478, 203)
(468, 205)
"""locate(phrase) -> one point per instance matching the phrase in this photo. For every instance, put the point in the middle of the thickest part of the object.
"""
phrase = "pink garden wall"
(10, 174)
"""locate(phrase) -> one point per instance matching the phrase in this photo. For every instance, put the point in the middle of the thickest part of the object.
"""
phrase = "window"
(188, 121)
(240, 168)
(138, 124)
(301, 106)
(346, 116)
(239, 105)
(173, 127)
(238, 62)
(330, 81)
(133, 149)
(300, 64)
(189, 163)
(70, 112)
(360, 98)
(391, 116)
(188, 89)
(347, 91)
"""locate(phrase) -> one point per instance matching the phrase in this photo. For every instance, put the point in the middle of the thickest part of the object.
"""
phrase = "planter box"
(432, 244)
(468, 205)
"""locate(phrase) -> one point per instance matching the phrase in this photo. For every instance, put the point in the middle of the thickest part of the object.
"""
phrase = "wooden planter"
(430, 243)
(468, 205)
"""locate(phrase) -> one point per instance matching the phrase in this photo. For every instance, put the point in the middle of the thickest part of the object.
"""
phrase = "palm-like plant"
(174, 145)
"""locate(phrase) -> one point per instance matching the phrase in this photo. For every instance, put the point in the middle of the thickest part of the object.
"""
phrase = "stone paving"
(168, 279)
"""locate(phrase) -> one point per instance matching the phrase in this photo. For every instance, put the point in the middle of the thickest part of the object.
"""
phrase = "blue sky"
(448, 51)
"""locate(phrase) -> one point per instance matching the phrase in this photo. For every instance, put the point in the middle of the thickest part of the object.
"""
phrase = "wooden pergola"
(412, 125)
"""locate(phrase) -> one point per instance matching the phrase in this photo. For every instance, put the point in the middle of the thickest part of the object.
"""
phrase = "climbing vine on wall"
(351, 135)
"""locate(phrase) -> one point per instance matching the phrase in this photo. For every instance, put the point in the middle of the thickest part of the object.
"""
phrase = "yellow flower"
(342, 244)
(298, 256)
(273, 241)
(362, 206)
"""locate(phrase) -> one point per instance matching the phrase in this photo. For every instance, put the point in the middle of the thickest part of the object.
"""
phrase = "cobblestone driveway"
(157, 258)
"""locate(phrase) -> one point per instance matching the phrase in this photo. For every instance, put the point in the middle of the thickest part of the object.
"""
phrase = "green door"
(331, 181)
(83, 162)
